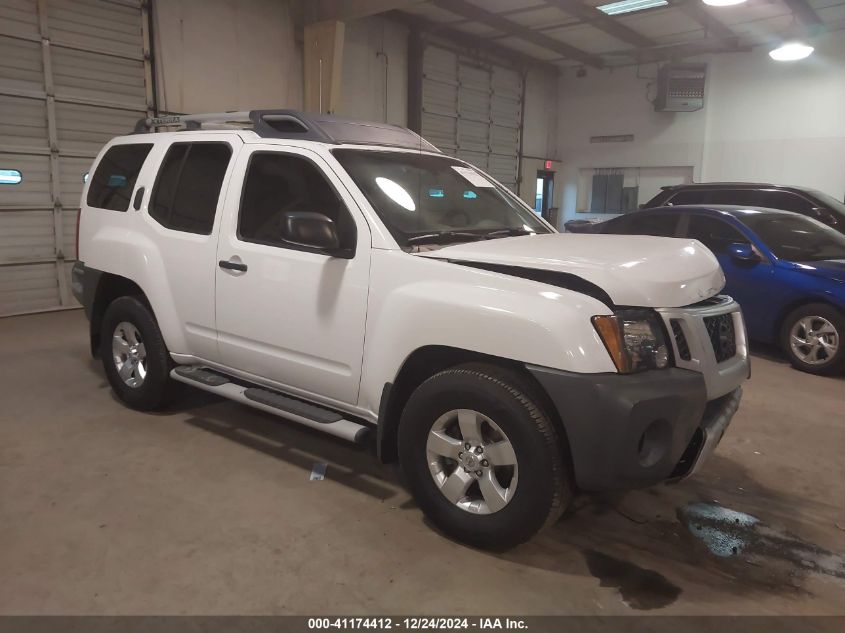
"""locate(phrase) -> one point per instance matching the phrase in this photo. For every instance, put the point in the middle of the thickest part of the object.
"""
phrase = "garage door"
(473, 111)
(73, 73)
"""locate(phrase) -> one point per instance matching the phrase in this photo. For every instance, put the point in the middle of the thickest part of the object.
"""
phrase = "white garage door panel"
(30, 287)
(98, 78)
(26, 235)
(23, 124)
(34, 190)
(18, 17)
(440, 130)
(73, 170)
(21, 68)
(473, 111)
(85, 128)
(96, 73)
(110, 27)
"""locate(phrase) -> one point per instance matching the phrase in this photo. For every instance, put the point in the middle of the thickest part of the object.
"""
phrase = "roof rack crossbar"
(294, 124)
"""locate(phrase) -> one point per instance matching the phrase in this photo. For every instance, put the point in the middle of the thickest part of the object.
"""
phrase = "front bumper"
(637, 430)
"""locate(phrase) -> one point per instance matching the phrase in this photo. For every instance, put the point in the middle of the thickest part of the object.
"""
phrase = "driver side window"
(278, 183)
(714, 233)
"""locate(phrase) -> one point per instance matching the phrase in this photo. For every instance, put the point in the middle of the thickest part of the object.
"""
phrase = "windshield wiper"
(451, 236)
(506, 233)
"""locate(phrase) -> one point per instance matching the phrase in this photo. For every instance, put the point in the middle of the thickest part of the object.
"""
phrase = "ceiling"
(567, 33)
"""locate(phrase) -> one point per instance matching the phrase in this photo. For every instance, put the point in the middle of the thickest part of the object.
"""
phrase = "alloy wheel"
(814, 340)
(472, 461)
(129, 353)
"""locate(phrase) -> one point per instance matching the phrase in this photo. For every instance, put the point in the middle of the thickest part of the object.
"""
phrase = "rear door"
(291, 315)
(181, 218)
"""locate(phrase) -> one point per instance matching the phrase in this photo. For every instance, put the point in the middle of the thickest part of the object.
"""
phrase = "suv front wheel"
(135, 358)
(481, 457)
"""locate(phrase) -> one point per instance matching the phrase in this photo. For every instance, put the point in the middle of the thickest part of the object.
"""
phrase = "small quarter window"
(112, 184)
(188, 186)
(10, 177)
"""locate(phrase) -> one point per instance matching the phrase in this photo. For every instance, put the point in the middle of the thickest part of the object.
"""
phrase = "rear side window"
(690, 196)
(188, 186)
(112, 184)
(784, 200)
(714, 233)
(658, 225)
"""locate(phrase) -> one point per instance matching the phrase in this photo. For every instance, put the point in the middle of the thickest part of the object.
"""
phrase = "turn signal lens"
(611, 335)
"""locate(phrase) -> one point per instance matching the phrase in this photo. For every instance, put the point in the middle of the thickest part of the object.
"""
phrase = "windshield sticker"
(474, 178)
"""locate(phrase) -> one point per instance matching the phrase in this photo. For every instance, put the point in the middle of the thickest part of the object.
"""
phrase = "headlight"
(634, 339)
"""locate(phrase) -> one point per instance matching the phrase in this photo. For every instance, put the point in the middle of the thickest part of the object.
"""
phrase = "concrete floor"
(208, 509)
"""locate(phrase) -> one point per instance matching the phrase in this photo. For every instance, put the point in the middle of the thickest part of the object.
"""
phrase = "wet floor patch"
(641, 589)
(728, 533)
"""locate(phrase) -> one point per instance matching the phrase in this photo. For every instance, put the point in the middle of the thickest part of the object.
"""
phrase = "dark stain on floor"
(729, 533)
(641, 589)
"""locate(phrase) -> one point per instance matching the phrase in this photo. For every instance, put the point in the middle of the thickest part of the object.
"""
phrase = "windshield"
(435, 199)
(795, 237)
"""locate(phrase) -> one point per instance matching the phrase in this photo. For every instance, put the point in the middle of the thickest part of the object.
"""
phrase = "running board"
(304, 413)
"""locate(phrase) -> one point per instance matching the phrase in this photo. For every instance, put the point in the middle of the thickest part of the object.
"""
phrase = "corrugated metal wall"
(73, 74)
(473, 110)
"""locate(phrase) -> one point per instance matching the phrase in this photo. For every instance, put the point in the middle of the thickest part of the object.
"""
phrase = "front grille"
(680, 340)
(720, 329)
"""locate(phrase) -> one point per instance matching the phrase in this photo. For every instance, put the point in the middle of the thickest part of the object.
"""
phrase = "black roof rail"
(293, 124)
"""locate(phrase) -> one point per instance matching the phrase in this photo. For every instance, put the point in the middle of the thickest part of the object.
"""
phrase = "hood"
(634, 270)
(833, 269)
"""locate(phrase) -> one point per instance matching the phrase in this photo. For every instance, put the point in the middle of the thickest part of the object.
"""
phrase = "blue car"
(786, 270)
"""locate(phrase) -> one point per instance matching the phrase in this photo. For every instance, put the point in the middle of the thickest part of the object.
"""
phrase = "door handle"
(230, 265)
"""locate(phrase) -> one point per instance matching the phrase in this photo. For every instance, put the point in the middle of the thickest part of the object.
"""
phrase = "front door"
(750, 283)
(286, 313)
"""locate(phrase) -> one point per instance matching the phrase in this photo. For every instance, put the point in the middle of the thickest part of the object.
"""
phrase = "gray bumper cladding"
(637, 430)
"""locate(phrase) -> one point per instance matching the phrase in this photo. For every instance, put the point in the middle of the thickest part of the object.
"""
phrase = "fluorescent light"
(790, 51)
(626, 6)
(722, 3)
(10, 177)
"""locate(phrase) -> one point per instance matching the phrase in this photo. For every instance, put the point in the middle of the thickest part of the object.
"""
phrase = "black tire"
(543, 490)
(835, 363)
(157, 387)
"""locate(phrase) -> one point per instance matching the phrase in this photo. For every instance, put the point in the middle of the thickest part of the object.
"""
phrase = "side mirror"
(312, 230)
(743, 252)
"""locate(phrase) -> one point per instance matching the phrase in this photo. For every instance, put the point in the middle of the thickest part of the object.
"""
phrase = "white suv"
(350, 277)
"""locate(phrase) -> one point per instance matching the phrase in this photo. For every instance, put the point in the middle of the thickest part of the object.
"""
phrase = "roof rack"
(293, 124)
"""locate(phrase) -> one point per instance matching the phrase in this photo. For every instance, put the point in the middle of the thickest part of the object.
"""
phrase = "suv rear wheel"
(481, 457)
(813, 337)
(135, 358)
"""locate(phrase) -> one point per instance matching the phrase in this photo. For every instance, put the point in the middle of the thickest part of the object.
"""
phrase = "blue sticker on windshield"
(116, 180)
(436, 193)
(470, 195)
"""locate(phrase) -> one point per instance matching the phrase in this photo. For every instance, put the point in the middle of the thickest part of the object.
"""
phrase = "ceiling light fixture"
(627, 6)
(791, 51)
(722, 3)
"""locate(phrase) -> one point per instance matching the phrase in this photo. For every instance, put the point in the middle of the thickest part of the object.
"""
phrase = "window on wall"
(114, 180)
(623, 189)
(188, 186)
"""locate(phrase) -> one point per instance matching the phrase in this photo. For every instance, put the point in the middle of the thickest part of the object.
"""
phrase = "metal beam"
(804, 12)
(680, 51)
(477, 14)
(467, 40)
(323, 10)
(603, 22)
(712, 26)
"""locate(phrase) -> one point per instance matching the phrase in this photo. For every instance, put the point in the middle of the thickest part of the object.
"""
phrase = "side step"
(307, 414)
